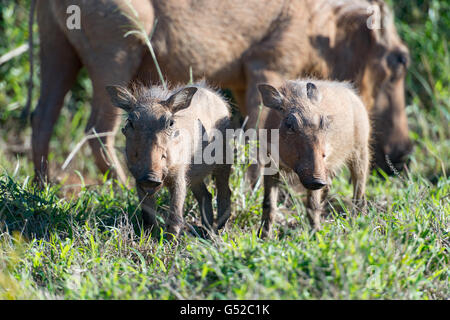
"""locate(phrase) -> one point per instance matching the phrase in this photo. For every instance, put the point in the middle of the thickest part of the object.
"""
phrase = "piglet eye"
(129, 124)
(170, 123)
(289, 123)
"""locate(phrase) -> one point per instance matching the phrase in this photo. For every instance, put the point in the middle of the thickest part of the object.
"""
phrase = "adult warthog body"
(234, 44)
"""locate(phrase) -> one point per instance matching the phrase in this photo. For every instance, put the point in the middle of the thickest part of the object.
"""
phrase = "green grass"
(91, 246)
(82, 239)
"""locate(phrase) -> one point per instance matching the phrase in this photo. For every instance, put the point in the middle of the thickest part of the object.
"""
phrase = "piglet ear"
(312, 92)
(181, 100)
(121, 97)
(271, 97)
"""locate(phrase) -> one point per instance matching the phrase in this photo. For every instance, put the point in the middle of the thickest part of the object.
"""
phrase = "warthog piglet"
(322, 126)
(165, 131)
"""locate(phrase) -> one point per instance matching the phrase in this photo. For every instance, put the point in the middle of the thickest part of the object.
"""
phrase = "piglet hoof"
(317, 226)
(172, 233)
(357, 211)
(292, 223)
(359, 207)
(152, 230)
(171, 238)
(315, 221)
(222, 222)
(200, 232)
(264, 232)
(39, 182)
(150, 224)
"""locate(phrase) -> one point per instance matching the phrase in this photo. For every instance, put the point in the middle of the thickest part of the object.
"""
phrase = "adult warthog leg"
(59, 69)
(104, 119)
(254, 109)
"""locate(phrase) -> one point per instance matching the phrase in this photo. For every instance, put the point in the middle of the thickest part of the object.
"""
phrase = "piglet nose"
(314, 184)
(150, 181)
(400, 155)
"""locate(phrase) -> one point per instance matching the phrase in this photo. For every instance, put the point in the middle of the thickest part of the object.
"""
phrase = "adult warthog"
(233, 44)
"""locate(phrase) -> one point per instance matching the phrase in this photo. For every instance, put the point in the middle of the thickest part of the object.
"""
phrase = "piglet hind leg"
(204, 199)
(359, 169)
(105, 120)
(269, 205)
(222, 176)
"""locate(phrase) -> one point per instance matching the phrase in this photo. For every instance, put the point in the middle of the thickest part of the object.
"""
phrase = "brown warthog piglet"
(322, 126)
(165, 131)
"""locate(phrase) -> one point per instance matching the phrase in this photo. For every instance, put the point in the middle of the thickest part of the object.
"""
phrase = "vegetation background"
(80, 238)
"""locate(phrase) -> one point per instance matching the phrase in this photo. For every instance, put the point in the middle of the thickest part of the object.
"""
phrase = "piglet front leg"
(314, 208)
(175, 221)
(148, 204)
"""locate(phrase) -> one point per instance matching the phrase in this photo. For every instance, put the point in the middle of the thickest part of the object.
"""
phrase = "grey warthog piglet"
(166, 130)
(322, 125)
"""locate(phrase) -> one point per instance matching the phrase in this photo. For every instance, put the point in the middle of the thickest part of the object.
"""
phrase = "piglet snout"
(314, 184)
(149, 182)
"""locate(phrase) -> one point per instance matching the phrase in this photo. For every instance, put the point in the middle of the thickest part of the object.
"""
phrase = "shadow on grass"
(36, 213)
